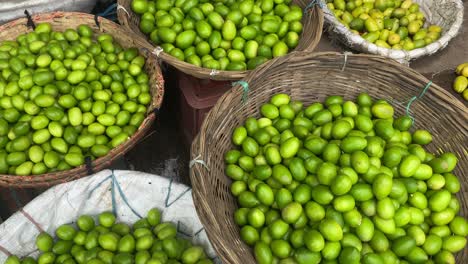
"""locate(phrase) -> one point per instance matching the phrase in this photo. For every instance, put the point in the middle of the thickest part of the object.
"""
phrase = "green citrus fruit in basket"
(392, 24)
(461, 81)
(343, 182)
(66, 96)
(223, 35)
(148, 241)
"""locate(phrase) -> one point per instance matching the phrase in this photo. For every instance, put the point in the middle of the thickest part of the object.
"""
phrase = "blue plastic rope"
(312, 4)
(111, 10)
(414, 98)
(114, 202)
(167, 203)
(109, 13)
(245, 86)
(122, 195)
(114, 182)
(99, 185)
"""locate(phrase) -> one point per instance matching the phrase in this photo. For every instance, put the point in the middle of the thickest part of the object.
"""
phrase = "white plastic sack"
(92, 195)
(447, 14)
(12, 9)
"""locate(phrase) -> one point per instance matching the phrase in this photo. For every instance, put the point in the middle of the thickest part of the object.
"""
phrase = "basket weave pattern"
(61, 21)
(311, 78)
(312, 23)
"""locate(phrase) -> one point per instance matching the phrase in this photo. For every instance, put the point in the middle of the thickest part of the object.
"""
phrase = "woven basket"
(312, 21)
(311, 77)
(448, 14)
(61, 21)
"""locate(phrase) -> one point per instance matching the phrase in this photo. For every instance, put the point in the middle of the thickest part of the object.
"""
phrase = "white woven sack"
(92, 195)
(447, 14)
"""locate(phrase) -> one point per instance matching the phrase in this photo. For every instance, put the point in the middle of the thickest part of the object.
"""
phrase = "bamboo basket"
(312, 22)
(61, 21)
(311, 77)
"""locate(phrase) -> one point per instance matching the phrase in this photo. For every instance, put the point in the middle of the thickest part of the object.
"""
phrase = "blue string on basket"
(115, 183)
(245, 86)
(110, 12)
(414, 98)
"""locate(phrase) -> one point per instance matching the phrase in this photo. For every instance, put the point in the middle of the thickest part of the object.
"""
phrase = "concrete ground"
(164, 151)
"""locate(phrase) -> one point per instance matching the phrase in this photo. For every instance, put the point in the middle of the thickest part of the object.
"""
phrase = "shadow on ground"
(163, 151)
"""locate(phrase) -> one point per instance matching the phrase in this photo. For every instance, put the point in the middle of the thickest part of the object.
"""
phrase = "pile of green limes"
(149, 241)
(460, 84)
(395, 24)
(65, 96)
(343, 182)
(223, 35)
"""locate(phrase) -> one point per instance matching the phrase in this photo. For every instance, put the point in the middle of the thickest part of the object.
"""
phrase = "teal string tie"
(115, 183)
(245, 86)
(312, 4)
(110, 11)
(414, 98)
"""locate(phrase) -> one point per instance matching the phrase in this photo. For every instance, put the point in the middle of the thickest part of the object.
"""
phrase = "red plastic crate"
(197, 97)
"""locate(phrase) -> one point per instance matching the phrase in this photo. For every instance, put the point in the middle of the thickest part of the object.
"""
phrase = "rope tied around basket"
(119, 6)
(245, 87)
(214, 72)
(157, 51)
(115, 183)
(414, 98)
(346, 53)
(312, 4)
(30, 22)
(198, 160)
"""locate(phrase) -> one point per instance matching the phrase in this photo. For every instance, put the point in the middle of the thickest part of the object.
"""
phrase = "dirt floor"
(164, 151)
